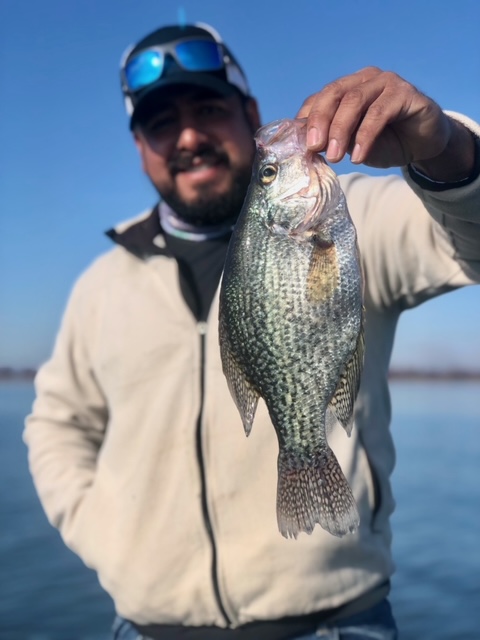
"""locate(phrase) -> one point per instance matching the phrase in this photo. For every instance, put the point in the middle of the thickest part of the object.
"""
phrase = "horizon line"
(394, 373)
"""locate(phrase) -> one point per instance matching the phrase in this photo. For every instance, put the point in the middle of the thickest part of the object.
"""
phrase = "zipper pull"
(202, 328)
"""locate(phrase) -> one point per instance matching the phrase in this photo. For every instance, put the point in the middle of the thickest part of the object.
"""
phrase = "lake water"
(47, 594)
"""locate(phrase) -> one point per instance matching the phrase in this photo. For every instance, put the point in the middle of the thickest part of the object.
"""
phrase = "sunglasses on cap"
(191, 54)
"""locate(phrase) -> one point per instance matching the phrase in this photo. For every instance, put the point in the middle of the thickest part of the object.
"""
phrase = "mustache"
(183, 160)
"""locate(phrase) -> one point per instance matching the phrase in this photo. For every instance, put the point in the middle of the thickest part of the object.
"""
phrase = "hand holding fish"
(381, 120)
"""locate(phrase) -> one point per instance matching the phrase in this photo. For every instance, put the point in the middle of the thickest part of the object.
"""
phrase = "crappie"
(291, 323)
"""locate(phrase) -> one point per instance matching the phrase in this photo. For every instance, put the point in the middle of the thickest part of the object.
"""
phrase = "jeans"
(376, 623)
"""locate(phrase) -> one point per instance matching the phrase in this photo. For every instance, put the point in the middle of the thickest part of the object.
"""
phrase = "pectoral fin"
(322, 280)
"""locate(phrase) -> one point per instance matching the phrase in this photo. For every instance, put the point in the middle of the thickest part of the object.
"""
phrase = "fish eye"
(268, 173)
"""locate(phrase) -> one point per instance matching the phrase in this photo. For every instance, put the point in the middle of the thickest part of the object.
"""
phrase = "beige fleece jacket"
(112, 435)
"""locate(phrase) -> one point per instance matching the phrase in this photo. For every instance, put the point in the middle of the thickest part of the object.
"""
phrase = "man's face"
(197, 148)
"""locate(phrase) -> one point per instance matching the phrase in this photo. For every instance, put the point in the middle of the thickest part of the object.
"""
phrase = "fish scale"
(291, 323)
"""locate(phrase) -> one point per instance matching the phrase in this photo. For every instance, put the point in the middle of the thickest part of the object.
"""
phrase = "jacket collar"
(143, 235)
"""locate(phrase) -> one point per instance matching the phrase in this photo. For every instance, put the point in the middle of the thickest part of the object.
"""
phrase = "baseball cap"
(174, 55)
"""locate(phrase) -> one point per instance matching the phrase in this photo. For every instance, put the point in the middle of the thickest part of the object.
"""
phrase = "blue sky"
(69, 170)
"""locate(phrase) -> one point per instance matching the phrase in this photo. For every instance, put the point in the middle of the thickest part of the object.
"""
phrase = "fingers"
(365, 113)
(320, 108)
(348, 115)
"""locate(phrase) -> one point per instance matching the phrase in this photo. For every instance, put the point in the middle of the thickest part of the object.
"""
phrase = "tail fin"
(316, 492)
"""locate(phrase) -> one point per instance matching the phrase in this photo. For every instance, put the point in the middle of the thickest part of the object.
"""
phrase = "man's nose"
(191, 137)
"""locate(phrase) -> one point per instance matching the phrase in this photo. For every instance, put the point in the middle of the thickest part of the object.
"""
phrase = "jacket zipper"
(202, 329)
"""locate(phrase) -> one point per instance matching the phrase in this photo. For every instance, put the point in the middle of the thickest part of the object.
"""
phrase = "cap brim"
(151, 97)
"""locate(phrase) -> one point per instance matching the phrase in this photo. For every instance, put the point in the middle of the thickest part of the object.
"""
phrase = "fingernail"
(355, 157)
(333, 149)
(313, 137)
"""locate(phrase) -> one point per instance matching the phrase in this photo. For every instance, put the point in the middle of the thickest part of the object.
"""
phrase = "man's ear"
(253, 114)
(140, 144)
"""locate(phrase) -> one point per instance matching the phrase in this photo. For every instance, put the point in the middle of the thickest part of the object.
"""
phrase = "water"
(436, 590)
(47, 594)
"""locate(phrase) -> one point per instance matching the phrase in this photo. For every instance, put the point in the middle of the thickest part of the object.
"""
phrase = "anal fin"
(344, 397)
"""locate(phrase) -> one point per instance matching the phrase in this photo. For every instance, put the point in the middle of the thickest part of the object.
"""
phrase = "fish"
(291, 323)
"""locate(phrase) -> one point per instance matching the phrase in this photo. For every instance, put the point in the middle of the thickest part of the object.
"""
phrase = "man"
(136, 448)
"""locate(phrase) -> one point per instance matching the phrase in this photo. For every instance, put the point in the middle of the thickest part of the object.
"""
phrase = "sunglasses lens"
(199, 55)
(144, 69)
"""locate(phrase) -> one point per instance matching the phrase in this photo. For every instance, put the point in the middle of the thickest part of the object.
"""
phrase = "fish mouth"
(286, 135)
(310, 182)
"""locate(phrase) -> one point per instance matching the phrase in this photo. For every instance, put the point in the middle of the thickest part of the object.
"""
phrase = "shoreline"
(9, 374)
(454, 375)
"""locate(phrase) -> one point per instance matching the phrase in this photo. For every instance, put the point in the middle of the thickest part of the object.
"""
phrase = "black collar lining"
(139, 237)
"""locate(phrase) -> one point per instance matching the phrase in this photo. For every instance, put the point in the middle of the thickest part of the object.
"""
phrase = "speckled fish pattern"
(291, 323)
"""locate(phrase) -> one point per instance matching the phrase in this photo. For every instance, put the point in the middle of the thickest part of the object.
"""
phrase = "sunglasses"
(191, 55)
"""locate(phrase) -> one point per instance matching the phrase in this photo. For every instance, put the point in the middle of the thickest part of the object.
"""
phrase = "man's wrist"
(457, 166)
(457, 162)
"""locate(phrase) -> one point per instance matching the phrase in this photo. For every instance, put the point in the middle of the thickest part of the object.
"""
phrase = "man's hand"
(383, 121)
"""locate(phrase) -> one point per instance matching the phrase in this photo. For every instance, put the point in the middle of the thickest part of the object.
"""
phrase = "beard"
(208, 208)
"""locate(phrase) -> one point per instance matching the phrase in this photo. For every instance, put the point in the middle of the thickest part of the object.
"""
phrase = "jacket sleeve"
(415, 242)
(68, 419)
